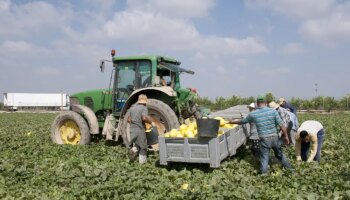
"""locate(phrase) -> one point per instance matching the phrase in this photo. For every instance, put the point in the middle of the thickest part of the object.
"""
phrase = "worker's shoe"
(132, 153)
(142, 159)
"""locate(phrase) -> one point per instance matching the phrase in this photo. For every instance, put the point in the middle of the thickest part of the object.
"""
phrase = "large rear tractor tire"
(70, 128)
(161, 114)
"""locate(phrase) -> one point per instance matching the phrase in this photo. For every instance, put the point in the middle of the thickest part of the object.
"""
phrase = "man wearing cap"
(267, 122)
(284, 104)
(309, 131)
(138, 116)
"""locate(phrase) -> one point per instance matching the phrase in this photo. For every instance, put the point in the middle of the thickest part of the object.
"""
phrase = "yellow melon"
(220, 132)
(195, 125)
(173, 133)
(179, 135)
(190, 135)
(228, 126)
(222, 121)
(191, 127)
(183, 127)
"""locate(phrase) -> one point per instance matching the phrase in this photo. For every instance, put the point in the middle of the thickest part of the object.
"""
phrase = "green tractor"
(103, 111)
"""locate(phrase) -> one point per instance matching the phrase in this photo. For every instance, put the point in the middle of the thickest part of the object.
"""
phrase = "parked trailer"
(36, 101)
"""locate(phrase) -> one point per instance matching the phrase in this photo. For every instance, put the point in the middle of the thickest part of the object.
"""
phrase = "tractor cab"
(133, 73)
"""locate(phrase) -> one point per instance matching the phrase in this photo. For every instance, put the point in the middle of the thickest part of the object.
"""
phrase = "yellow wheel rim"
(70, 132)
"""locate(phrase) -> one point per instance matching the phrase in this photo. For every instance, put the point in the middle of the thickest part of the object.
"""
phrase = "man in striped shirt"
(267, 122)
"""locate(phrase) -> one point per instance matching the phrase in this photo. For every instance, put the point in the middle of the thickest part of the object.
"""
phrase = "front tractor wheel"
(161, 114)
(70, 128)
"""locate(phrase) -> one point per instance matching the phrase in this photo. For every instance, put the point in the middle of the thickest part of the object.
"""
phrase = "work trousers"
(267, 143)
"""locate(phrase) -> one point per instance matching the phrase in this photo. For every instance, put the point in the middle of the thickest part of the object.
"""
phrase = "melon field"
(32, 167)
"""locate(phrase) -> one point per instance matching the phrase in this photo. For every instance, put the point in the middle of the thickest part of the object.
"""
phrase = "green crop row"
(31, 167)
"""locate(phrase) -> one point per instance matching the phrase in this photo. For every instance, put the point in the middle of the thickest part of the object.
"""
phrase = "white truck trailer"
(36, 101)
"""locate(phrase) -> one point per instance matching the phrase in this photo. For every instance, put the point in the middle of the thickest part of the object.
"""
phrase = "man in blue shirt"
(267, 122)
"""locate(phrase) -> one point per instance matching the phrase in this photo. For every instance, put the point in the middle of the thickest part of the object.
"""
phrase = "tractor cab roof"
(174, 68)
(163, 62)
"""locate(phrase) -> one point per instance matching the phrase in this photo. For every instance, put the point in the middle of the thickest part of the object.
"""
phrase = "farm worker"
(284, 116)
(267, 121)
(137, 118)
(284, 104)
(162, 81)
(309, 131)
(253, 133)
(295, 125)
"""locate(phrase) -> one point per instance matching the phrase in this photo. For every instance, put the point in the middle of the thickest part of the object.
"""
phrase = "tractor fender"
(134, 95)
(165, 89)
(89, 115)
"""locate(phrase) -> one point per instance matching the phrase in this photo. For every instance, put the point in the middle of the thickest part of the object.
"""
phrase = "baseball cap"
(252, 105)
(261, 98)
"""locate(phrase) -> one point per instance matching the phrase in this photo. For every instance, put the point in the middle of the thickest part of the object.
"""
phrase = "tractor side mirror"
(102, 65)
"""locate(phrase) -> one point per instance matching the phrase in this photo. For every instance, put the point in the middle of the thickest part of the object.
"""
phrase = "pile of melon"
(189, 129)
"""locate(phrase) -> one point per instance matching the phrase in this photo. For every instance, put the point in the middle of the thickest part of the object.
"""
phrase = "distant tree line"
(317, 103)
(1, 106)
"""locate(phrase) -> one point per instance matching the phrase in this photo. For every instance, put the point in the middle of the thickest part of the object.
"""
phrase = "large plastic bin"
(236, 137)
(201, 150)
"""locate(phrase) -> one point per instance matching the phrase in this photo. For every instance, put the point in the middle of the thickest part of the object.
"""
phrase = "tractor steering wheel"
(147, 82)
(123, 93)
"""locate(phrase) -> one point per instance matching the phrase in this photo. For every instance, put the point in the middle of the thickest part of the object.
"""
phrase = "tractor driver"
(162, 81)
(137, 118)
(166, 78)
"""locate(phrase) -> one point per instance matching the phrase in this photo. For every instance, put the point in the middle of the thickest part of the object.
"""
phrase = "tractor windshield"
(131, 75)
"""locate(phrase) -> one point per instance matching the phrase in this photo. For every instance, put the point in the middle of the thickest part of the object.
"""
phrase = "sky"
(235, 47)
